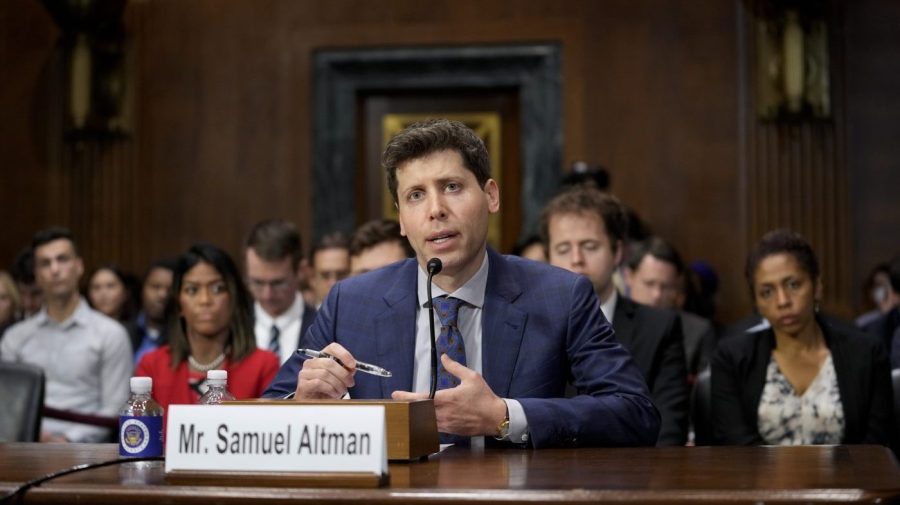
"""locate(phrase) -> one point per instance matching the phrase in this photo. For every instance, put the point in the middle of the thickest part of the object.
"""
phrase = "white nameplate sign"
(295, 438)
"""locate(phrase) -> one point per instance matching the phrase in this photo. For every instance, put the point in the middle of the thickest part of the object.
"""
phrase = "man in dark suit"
(272, 257)
(526, 328)
(583, 231)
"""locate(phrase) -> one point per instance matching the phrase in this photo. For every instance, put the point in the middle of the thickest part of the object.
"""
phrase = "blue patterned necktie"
(450, 341)
(274, 345)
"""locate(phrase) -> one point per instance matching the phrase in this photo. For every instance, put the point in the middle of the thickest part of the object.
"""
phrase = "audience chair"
(21, 401)
(701, 409)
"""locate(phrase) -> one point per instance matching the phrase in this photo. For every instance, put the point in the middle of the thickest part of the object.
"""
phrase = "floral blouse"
(815, 417)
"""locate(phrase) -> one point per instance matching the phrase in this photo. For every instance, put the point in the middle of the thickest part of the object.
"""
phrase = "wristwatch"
(503, 427)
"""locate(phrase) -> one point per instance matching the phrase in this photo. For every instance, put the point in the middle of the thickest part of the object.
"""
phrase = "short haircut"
(427, 137)
(376, 232)
(782, 241)
(48, 235)
(23, 267)
(529, 241)
(333, 240)
(587, 200)
(276, 239)
(241, 337)
(163, 264)
(659, 249)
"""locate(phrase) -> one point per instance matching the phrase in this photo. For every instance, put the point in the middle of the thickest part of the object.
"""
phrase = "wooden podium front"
(411, 425)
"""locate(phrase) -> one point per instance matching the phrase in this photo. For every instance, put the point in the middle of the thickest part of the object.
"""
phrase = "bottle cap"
(217, 375)
(141, 384)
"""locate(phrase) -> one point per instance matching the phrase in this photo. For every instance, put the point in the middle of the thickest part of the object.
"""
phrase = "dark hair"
(48, 235)
(587, 200)
(162, 263)
(377, 232)
(426, 137)
(584, 174)
(23, 267)
(782, 241)
(529, 241)
(275, 239)
(333, 240)
(241, 338)
(129, 284)
(659, 249)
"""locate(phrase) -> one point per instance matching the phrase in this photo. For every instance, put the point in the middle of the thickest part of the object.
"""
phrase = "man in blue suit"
(527, 328)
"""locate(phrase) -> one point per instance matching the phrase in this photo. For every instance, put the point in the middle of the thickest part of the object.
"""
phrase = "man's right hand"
(324, 377)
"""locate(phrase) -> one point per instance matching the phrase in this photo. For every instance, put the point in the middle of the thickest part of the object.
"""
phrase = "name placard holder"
(297, 445)
(411, 425)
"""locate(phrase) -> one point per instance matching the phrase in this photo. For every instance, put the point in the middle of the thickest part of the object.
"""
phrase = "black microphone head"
(434, 266)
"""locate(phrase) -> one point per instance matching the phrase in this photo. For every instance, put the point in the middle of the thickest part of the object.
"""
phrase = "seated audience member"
(10, 303)
(653, 274)
(148, 329)
(112, 292)
(531, 248)
(85, 355)
(29, 292)
(273, 255)
(330, 262)
(887, 326)
(210, 328)
(584, 230)
(376, 244)
(802, 381)
(529, 328)
(878, 294)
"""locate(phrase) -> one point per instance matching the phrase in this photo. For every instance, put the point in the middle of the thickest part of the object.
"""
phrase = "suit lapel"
(394, 330)
(623, 321)
(503, 326)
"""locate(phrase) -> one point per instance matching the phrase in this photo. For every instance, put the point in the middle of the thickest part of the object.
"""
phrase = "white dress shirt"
(288, 324)
(469, 322)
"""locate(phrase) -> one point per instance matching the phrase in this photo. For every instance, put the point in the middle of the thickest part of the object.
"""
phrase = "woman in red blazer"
(211, 328)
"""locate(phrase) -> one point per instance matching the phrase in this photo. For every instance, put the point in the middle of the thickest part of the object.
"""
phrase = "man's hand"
(470, 409)
(324, 377)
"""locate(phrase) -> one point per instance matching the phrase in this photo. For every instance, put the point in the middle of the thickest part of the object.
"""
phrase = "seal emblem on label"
(135, 436)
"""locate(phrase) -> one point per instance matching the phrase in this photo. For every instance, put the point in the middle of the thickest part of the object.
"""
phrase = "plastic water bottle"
(141, 422)
(217, 381)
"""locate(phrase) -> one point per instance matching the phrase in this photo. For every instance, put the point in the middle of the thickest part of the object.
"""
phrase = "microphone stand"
(434, 267)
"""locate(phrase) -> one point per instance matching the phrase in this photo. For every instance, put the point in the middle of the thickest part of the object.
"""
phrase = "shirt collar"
(294, 312)
(472, 292)
(79, 316)
(609, 306)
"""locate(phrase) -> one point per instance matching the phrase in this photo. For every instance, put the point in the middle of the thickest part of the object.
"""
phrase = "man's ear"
(493, 195)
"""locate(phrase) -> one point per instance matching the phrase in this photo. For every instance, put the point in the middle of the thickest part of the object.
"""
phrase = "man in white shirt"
(272, 257)
(86, 356)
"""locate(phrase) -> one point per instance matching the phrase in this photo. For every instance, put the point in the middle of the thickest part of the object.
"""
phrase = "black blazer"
(655, 340)
(863, 374)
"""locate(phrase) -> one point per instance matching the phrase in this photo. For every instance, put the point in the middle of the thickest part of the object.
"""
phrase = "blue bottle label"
(140, 436)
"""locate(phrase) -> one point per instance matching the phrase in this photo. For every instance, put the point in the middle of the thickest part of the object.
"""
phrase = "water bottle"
(217, 381)
(141, 422)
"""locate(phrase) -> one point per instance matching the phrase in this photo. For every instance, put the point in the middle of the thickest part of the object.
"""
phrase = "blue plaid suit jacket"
(542, 327)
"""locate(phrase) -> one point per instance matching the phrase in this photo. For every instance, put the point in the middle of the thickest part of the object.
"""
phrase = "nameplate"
(293, 439)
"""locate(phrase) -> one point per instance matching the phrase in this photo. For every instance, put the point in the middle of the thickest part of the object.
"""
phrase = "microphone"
(434, 267)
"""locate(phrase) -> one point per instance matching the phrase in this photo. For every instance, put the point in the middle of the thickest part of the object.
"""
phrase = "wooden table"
(490, 476)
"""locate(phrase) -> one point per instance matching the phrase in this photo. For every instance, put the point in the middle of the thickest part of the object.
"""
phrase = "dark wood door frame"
(534, 69)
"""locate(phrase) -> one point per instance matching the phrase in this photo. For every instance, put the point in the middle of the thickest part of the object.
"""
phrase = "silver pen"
(362, 367)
